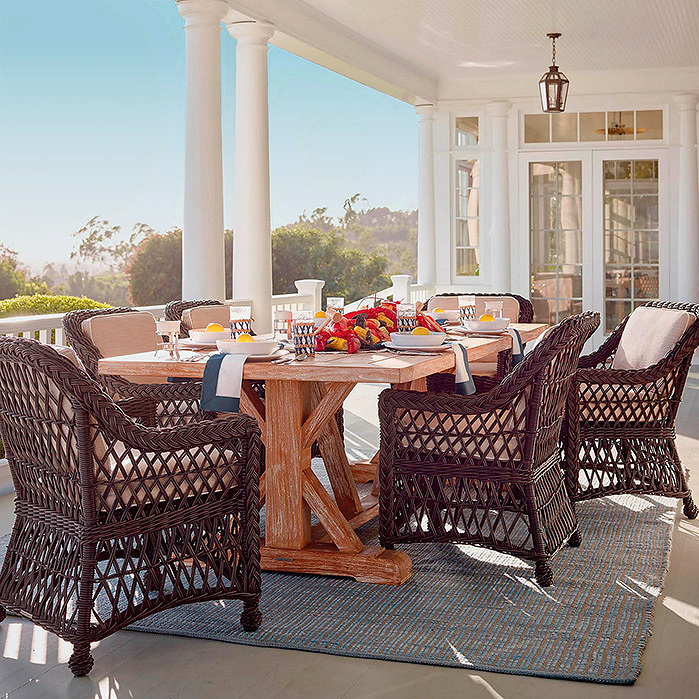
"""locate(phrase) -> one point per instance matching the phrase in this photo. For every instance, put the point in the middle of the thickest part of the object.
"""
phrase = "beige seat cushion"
(510, 305)
(69, 353)
(124, 333)
(484, 368)
(200, 316)
(650, 333)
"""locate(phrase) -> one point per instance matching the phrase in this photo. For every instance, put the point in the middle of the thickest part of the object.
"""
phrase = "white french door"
(593, 232)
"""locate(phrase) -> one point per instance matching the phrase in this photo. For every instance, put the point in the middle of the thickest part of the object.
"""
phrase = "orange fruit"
(244, 337)
(437, 310)
(319, 314)
(214, 328)
(486, 317)
(420, 331)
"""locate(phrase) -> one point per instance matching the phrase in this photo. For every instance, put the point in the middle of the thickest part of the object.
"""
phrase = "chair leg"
(251, 617)
(81, 661)
(543, 573)
(575, 539)
(690, 509)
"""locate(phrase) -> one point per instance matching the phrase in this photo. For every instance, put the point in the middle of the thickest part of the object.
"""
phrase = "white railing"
(49, 328)
(402, 290)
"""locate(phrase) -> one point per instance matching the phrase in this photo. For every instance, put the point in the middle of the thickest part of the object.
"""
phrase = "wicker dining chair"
(115, 521)
(162, 404)
(619, 435)
(485, 469)
(444, 383)
(175, 310)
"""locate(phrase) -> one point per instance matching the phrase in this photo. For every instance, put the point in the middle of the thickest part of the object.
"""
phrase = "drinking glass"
(302, 333)
(171, 330)
(406, 317)
(494, 308)
(282, 324)
(467, 308)
(241, 320)
(335, 303)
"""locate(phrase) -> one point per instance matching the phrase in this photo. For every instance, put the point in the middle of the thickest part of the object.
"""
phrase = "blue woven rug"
(473, 608)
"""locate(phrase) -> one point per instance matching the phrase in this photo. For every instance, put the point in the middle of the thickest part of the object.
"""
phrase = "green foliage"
(41, 304)
(302, 252)
(155, 270)
(14, 280)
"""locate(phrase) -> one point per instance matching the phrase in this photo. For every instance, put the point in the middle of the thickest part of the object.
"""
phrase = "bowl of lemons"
(420, 337)
(444, 314)
(210, 334)
(249, 345)
(487, 323)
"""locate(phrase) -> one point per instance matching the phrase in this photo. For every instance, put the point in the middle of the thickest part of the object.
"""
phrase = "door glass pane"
(555, 229)
(536, 128)
(467, 221)
(649, 124)
(592, 126)
(620, 126)
(466, 131)
(564, 127)
(631, 235)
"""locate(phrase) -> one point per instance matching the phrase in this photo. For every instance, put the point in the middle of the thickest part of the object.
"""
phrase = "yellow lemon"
(437, 310)
(244, 337)
(420, 331)
(319, 314)
(214, 328)
(486, 316)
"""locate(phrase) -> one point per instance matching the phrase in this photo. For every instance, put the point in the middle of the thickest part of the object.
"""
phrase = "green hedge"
(42, 304)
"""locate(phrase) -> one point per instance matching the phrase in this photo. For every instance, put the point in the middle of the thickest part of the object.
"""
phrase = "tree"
(14, 280)
(299, 252)
(100, 243)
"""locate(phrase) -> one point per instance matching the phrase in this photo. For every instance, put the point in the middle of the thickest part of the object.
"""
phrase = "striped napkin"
(464, 380)
(220, 387)
(517, 348)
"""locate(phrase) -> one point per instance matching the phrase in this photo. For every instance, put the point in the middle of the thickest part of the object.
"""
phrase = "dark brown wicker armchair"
(161, 404)
(116, 521)
(175, 309)
(485, 469)
(620, 429)
(444, 383)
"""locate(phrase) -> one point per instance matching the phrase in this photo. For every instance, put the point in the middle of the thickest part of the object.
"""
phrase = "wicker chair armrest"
(601, 356)
(623, 377)
(184, 390)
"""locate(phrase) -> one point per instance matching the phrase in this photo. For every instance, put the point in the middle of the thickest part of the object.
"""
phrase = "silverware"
(283, 360)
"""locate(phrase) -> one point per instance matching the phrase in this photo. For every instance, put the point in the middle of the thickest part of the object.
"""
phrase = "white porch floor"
(130, 665)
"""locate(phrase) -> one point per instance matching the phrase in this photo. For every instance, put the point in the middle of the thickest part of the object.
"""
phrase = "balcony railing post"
(312, 287)
(401, 287)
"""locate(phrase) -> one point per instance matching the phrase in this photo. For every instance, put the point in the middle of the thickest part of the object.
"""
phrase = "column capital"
(251, 33)
(499, 108)
(426, 112)
(686, 101)
(202, 11)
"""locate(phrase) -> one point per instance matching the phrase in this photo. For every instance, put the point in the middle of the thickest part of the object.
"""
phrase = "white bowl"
(256, 347)
(202, 337)
(434, 339)
(487, 325)
(444, 315)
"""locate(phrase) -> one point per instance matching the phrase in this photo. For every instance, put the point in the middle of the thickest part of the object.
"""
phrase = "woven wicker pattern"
(485, 469)
(144, 518)
(162, 405)
(444, 383)
(620, 428)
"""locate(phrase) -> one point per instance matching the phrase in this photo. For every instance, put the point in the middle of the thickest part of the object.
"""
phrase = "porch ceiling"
(417, 47)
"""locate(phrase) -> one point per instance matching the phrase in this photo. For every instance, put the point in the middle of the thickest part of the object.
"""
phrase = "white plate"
(277, 354)
(444, 315)
(258, 347)
(188, 343)
(496, 326)
(202, 337)
(410, 341)
(434, 348)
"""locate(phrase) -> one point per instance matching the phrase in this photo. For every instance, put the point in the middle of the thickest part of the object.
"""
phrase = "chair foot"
(543, 573)
(690, 509)
(3, 614)
(575, 539)
(251, 617)
(81, 661)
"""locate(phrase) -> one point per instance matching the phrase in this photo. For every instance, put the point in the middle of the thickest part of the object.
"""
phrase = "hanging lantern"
(553, 86)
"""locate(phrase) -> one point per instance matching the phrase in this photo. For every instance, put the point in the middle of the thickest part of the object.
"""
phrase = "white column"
(401, 287)
(203, 264)
(252, 237)
(688, 204)
(426, 253)
(500, 199)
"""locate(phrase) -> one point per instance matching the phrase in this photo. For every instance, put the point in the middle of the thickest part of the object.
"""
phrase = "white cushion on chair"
(200, 316)
(649, 334)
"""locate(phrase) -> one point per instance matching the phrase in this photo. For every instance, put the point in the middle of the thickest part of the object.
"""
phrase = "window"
(631, 233)
(466, 131)
(555, 229)
(467, 217)
(572, 127)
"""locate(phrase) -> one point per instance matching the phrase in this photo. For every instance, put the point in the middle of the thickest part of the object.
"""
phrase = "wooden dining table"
(301, 399)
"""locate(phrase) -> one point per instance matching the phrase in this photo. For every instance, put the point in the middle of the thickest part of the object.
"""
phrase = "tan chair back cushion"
(124, 333)
(69, 353)
(199, 317)
(649, 334)
(510, 305)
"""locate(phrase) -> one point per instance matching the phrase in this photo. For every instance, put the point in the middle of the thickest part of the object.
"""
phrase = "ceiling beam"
(302, 30)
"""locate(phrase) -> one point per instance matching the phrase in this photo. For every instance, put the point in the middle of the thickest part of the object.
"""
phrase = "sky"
(92, 123)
